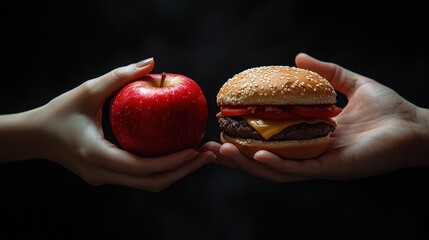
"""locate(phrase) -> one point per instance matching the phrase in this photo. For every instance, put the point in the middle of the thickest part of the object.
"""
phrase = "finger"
(214, 147)
(106, 85)
(224, 158)
(210, 146)
(220, 159)
(309, 168)
(154, 182)
(111, 157)
(254, 167)
(341, 79)
(172, 176)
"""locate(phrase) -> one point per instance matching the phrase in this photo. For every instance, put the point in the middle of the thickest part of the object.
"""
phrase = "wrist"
(422, 151)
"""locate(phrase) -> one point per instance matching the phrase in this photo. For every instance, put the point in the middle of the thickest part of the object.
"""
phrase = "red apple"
(159, 114)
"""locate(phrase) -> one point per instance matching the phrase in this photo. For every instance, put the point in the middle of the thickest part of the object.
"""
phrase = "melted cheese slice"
(270, 127)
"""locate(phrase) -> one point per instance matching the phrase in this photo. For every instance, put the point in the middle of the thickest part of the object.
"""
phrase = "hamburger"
(285, 110)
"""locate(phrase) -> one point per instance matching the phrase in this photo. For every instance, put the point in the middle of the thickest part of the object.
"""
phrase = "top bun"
(276, 85)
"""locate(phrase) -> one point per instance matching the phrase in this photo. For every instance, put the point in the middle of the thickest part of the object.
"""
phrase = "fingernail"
(211, 157)
(144, 63)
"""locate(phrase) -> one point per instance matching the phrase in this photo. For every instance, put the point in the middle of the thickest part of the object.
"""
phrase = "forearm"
(20, 138)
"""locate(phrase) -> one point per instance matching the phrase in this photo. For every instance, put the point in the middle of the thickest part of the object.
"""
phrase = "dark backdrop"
(48, 48)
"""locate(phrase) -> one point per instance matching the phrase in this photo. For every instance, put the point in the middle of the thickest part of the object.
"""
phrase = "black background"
(48, 48)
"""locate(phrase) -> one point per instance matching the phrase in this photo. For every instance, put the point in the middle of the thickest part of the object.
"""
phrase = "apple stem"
(162, 79)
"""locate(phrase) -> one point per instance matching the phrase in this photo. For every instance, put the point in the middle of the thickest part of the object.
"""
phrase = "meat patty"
(238, 127)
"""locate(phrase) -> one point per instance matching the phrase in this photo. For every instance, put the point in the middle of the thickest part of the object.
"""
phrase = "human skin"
(378, 131)
(68, 131)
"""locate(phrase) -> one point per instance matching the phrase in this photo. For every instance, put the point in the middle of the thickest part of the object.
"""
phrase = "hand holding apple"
(68, 130)
(159, 114)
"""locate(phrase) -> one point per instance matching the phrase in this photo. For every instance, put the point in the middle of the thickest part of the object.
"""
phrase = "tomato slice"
(234, 111)
(326, 111)
(282, 112)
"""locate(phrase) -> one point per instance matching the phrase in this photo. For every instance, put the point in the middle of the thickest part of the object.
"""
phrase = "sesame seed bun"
(293, 149)
(276, 85)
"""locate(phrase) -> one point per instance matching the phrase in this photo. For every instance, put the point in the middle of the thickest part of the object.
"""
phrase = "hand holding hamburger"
(285, 110)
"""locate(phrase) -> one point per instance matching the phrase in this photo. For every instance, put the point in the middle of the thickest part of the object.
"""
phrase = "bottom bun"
(291, 149)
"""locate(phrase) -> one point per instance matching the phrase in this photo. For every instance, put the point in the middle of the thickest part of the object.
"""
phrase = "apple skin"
(152, 120)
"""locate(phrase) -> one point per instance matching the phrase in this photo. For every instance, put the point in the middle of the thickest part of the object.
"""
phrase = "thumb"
(341, 79)
(106, 85)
